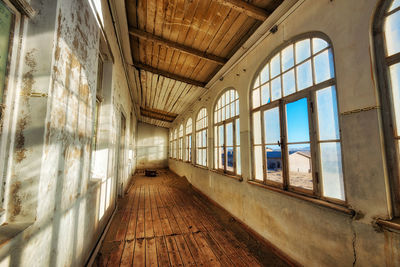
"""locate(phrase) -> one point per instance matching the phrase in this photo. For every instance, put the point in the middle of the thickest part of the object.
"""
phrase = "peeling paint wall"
(58, 199)
(152, 146)
(311, 234)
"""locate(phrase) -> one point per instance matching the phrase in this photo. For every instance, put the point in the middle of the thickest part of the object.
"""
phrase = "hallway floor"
(163, 222)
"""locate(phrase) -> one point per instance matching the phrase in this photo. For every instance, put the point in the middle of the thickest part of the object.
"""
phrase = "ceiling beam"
(177, 46)
(157, 115)
(246, 8)
(168, 74)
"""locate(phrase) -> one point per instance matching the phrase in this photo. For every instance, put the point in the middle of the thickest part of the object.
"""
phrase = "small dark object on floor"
(151, 173)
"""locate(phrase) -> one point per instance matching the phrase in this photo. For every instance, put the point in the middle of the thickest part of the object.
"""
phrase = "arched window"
(387, 45)
(296, 136)
(227, 133)
(188, 141)
(180, 143)
(175, 144)
(201, 137)
(171, 143)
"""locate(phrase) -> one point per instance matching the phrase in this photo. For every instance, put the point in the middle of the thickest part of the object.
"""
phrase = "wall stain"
(16, 208)
(20, 153)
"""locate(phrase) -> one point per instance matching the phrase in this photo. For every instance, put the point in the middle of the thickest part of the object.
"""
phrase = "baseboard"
(247, 228)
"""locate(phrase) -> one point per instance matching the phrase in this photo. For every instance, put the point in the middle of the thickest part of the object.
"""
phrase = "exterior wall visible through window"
(296, 138)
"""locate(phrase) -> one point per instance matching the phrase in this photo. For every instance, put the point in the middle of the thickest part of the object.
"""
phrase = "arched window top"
(227, 106)
(201, 121)
(395, 4)
(181, 130)
(299, 65)
(189, 126)
(392, 29)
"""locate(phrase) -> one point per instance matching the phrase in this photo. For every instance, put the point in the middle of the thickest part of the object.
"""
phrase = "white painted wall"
(152, 146)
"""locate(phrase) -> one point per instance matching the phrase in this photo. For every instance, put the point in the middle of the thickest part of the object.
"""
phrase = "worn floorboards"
(160, 222)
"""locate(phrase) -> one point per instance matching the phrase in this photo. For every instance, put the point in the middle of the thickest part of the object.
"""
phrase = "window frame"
(200, 131)
(383, 82)
(188, 141)
(180, 142)
(310, 94)
(224, 123)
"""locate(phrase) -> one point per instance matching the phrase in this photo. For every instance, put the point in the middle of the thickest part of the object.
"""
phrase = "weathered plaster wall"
(152, 146)
(52, 188)
(314, 235)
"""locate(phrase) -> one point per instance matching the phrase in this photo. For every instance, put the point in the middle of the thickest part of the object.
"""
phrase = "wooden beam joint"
(158, 114)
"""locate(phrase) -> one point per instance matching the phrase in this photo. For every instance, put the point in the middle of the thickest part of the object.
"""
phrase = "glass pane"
(304, 75)
(229, 134)
(271, 126)
(238, 162)
(216, 166)
(395, 82)
(275, 66)
(237, 107)
(221, 158)
(274, 163)
(237, 129)
(229, 166)
(287, 58)
(289, 86)
(323, 66)
(331, 170)
(204, 157)
(297, 121)
(228, 111)
(257, 82)
(276, 92)
(265, 94)
(300, 173)
(223, 113)
(265, 74)
(258, 163)
(302, 50)
(256, 98)
(392, 33)
(204, 133)
(395, 4)
(318, 45)
(232, 109)
(257, 127)
(328, 123)
(6, 18)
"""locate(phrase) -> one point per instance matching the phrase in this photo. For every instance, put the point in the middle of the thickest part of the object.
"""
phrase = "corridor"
(163, 222)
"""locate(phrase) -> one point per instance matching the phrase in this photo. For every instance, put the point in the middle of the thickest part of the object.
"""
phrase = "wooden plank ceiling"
(179, 45)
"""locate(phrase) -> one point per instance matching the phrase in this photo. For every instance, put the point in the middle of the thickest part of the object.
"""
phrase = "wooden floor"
(159, 224)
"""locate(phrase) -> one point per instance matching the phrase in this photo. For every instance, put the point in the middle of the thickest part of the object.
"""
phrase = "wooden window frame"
(199, 132)
(383, 62)
(223, 123)
(310, 94)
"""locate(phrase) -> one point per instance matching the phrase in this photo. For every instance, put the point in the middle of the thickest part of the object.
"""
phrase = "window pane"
(256, 83)
(395, 82)
(238, 162)
(287, 58)
(276, 92)
(302, 50)
(318, 45)
(5, 29)
(265, 94)
(331, 170)
(216, 166)
(275, 66)
(300, 174)
(395, 4)
(304, 75)
(204, 133)
(232, 110)
(272, 126)
(221, 135)
(221, 161)
(289, 86)
(228, 111)
(258, 163)
(328, 123)
(257, 127)
(274, 163)
(204, 157)
(237, 129)
(229, 134)
(297, 121)
(256, 98)
(323, 66)
(229, 166)
(265, 74)
(392, 34)
(237, 107)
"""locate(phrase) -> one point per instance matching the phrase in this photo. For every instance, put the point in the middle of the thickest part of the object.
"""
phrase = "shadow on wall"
(152, 146)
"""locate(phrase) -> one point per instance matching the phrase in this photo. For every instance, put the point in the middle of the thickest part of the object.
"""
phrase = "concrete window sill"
(319, 202)
(8, 231)
(236, 177)
(391, 225)
(200, 167)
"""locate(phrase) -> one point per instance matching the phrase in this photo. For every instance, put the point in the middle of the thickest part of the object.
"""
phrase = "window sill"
(391, 225)
(319, 202)
(200, 167)
(236, 177)
(9, 231)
